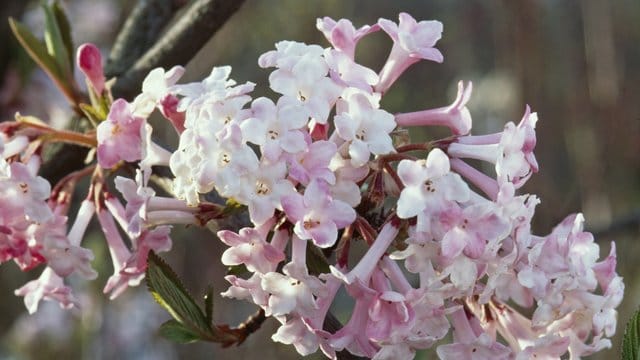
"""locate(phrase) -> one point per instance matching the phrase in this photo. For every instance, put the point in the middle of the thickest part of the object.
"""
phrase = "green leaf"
(631, 338)
(56, 45)
(38, 52)
(65, 31)
(208, 305)
(168, 291)
(175, 331)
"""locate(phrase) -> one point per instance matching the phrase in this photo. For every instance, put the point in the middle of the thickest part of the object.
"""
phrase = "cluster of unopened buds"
(321, 168)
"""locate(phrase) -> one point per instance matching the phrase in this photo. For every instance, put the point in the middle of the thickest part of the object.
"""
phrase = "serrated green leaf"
(38, 52)
(168, 291)
(631, 338)
(174, 331)
(65, 31)
(53, 38)
(208, 305)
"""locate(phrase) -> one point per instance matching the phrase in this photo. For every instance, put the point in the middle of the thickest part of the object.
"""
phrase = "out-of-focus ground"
(577, 63)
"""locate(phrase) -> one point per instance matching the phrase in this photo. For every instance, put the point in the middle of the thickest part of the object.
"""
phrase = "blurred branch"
(180, 43)
(139, 32)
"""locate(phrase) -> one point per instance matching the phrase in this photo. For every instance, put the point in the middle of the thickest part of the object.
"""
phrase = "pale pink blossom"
(155, 88)
(455, 116)
(119, 135)
(346, 72)
(249, 289)
(263, 190)
(120, 280)
(316, 215)
(295, 332)
(430, 188)
(249, 247)
(302, 79)
(48, 286)
(511, 150)
(275, 129)
(342, 34)
(412, 41)
(313, 163)
(292, 291)
(366, 127)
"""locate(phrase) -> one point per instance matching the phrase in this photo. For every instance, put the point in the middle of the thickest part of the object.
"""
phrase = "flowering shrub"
(317, 168)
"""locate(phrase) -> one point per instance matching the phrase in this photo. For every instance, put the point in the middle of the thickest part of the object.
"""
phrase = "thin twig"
(180, 43)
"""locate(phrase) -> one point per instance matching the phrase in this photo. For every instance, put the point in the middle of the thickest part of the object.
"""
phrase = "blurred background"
(577, 63)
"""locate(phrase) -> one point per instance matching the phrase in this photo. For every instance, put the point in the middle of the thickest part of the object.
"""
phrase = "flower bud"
(89, 61)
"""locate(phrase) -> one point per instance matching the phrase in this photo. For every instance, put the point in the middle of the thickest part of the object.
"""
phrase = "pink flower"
(317, 216)
(292, 292)
(119, 135)
(455, 116)
(353, 336)
(48, 286)
(250, 248)
(342, 34)
(263, 190)
(470, 342)
(346, 72)
(419, 253)
(347, 176)
(120, 280)
(64, 254)
(29, 192)
(90, 63)
(366, 127)
(474, 228)
(390, 314)
(429, 188)
(302, 78)
(412, 41)
(295, 332)
(511, 150)
(313, 163)
(247, 289)
(366, 266)
(156, 239)
(274, 128)
(157, 92)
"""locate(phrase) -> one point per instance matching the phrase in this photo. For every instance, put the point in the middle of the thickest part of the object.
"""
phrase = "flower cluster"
(318, 169)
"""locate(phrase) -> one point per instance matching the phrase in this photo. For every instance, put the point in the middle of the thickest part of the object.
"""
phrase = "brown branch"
(140, 31)
(180, 43)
